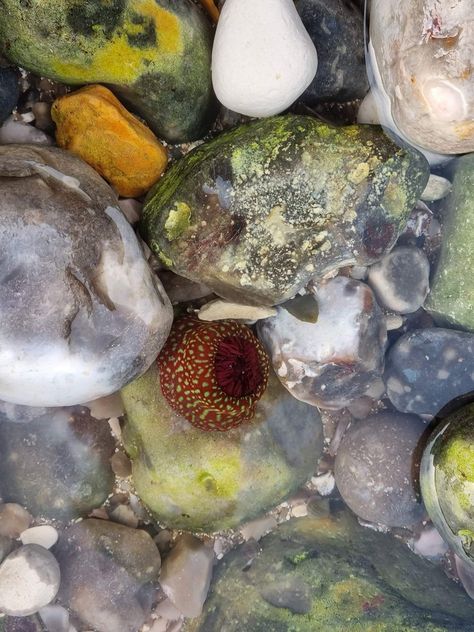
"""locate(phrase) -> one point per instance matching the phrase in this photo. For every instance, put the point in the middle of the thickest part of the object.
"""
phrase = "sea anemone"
(213, 373)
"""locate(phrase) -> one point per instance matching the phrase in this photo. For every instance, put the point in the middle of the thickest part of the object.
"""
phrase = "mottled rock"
(427, 368)
(14, 519)
(81, 312)
(331, 362)
(401, 279)
(9, 92)
(29, 580)
(94, 125)
(187, 573)
(155, 55)
(451, 300)
(58, 465)
(260, 210)
(207, 481)
(119, 597)
(377, 466)
(328, 573)
(341, 74)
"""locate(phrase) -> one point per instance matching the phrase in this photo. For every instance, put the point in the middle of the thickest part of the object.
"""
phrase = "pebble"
(9, 92)
(262, 58)
(29, 580)
(427, 368)
(131, 208)
(106, 407)
(121, 464)
(94, 125)
(222, 310)
(376, 469)
(44, 535)
(430, 544)
(401, 279)
(186, 574)
(255, 529)
(436, 189)
(324, 484)
(13, 131)
(55, 618)
(14, 519)
(125, 515)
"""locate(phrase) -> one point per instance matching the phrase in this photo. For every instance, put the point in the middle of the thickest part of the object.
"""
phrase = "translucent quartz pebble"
(331, 362)
(422, 52)
(80, 310)
(377, 469)
(401, 279)
(427, 368)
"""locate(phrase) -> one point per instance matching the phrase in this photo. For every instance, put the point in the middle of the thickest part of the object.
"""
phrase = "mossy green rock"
(328, 574)
(154, 54)
(207, 481)
(260, 210)
(451, 300)
(447, 480)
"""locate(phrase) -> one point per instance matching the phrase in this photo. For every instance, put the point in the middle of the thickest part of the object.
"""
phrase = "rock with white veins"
(400, 280)
(29, 580)
(331, 362)
(263, 58)
(81, 313)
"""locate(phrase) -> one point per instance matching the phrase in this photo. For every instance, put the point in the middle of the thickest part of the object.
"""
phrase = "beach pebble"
(186, 574)
(436, 189)
(29, 580)
(55, 618)
(401, 279)
(44, 535)
(220, 310)
(13, 131)
(263, 57)
(14, 519)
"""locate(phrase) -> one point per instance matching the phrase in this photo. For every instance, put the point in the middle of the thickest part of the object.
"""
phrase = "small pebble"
(106, 407)
(255, 529)
(163, 541)
(14, 519)
(43, 535)
(55, 618)
(121, 464)
(324, 484)
(124, 514)
(393, 321)
(29, 580)
(430, 544)
(18, 132)
(436, 189)
(222, 310)
(131, 208)
(42, 113)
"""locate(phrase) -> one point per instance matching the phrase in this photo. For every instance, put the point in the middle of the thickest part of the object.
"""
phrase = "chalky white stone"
(43, 535)
(263, 58)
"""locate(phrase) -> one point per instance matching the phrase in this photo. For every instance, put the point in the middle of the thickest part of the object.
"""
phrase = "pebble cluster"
(236, 316)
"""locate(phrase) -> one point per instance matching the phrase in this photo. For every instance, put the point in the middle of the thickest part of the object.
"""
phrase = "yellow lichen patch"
(94, 125)
(211, 9)
(177, 221)
(117, 60)
(359, 173)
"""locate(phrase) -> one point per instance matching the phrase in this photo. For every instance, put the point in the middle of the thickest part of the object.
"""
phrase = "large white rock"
(263, 58)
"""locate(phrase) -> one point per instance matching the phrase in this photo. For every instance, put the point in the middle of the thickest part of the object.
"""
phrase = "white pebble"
(18, 132)
(221, 310)
(43, 535)
(436, 189)
(55, 618)
(263, 58)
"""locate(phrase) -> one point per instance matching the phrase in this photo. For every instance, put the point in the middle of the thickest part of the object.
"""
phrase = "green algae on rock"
(326, 573)
(447, 480)
(207, 481)
(258, 211)
(154, 54)
(451, 300)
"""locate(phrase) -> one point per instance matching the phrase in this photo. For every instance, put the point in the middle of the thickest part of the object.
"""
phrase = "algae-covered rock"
(155, 54)
(328, 574)
(257, 212)
(451, 300)
(447, 480)
(197, 480)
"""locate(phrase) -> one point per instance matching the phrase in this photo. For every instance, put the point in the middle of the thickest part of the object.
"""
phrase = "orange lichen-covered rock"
(94, 125)
(211, 8)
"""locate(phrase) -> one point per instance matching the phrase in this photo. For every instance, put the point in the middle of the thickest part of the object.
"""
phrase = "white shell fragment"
(221, 310)
(263, 58)
(44, 535)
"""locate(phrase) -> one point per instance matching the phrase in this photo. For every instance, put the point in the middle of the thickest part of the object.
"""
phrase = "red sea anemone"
(213, 373)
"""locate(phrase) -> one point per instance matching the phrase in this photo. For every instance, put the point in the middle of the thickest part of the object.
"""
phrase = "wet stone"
(427, 368)
(120, 596)
(341, 74)
(401, 279)
(14, 519)
(377, 467)
(259, 211)
(331, 362)
(9, 92)
(58, 465)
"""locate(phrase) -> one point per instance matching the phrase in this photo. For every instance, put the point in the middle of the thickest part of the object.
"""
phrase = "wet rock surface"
(9, 92)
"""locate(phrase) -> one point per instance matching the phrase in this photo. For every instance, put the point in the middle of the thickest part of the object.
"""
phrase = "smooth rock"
(341, 74)
(257, 212)
(421, 55)
(81, 312)
(55, 618)
(331, 362)
(451, 300)
(9, 92)
(57, 466)
(44, 535)
(120, 596)
(427, 368)
(262, 58)
(94, 125)
(186, 574)
(400, 280)
(436, 189)
(221, 310)
(106, 407)
(121, 464)
(155, 55)
(208, 481)
(13, 131)
(341, 576)
(377, 467)
(29, 580)
(14, 519)
(180, 289)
